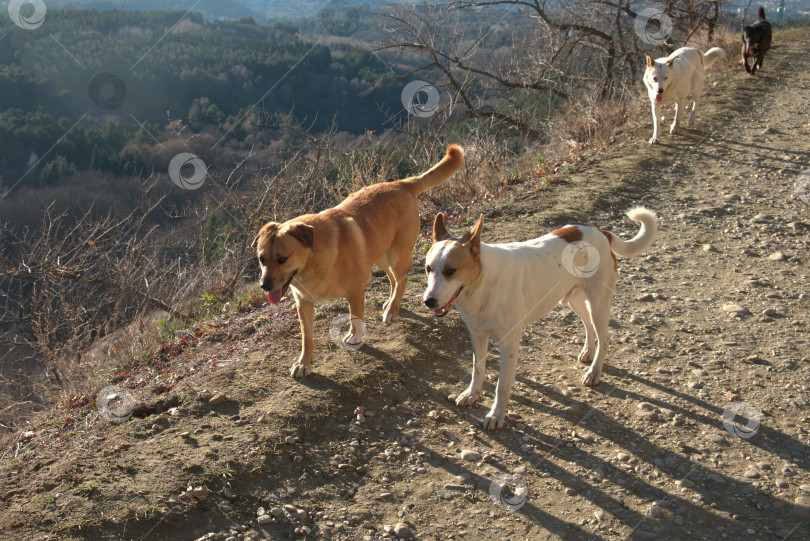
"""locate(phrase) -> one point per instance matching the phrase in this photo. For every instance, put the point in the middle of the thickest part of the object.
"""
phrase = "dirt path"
(644, 455)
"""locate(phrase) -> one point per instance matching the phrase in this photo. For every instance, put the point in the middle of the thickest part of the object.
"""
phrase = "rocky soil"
(700, 428)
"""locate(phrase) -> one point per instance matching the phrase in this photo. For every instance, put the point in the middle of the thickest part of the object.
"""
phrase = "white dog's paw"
(494, 420)
(591, 378)
(467, 398)
(673, 129)
(653, 140)
(585, 356)
(300, 369)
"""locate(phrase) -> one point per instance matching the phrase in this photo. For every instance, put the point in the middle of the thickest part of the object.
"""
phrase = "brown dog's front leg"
(357, 334)
(306, 316)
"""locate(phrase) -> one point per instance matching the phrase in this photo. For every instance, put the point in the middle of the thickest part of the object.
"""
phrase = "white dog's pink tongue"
(658, 98)
(274, 296)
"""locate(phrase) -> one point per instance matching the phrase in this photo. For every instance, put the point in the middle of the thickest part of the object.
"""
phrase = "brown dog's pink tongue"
(274, 296)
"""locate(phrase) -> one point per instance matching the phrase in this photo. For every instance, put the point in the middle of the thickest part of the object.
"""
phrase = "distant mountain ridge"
(216, 9)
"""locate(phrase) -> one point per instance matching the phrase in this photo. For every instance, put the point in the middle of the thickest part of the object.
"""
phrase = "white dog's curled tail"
(713, 54)
(645, 237)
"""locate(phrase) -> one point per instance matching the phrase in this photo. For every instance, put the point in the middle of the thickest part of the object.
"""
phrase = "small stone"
(734, 309)
(622, 457)
(647, 297)
(752, 473)
(638, 319)
(217, 399)
(699, 372)
(714, 479)
(714, 437)
(402, 531)
(599, 514)
(762, 219)
(709, 248)
(276, 511)
(769, 312)
(776, 256)
(290, 439)
(781, 483)
(264, 519)
(470, 456)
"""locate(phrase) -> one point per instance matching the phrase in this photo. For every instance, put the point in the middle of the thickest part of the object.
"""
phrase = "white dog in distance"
(674, 78)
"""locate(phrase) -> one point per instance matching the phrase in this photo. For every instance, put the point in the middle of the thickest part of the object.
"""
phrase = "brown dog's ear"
(474, 235)
(304, 233)
(439, 230)
(650, 61)
(270, 228)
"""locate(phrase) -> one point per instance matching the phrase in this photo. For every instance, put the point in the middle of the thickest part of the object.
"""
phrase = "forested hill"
(108, 78)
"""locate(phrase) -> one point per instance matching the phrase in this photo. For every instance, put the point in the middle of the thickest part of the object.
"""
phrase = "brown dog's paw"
(299, 369)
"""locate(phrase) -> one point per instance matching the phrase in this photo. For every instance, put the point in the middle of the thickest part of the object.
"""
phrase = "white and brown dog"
(330, 254)
(501, 288)
(676, 77)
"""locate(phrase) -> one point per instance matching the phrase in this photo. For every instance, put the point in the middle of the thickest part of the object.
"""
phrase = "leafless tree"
(570, 49)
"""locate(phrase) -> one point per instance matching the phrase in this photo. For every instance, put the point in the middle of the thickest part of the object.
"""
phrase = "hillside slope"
(714, 314)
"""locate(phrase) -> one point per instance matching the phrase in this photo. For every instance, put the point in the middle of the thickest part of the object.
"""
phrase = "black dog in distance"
(756, 41)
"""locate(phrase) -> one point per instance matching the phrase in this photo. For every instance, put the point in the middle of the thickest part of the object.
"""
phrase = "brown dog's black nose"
(267, 285)
(431, 302)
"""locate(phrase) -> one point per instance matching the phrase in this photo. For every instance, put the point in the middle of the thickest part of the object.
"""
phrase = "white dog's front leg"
(480, 341)
(679, 107)
(509, 354)
(656, 113)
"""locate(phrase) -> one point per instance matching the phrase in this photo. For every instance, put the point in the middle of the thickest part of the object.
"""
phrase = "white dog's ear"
(671, 60)
(650, 61)
(474, 236)
(439, 230)
(304, 233)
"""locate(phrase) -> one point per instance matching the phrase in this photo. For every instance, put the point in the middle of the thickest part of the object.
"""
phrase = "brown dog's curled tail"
(438, 173)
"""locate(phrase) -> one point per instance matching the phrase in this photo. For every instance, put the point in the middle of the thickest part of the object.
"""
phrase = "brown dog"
(330, 254)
